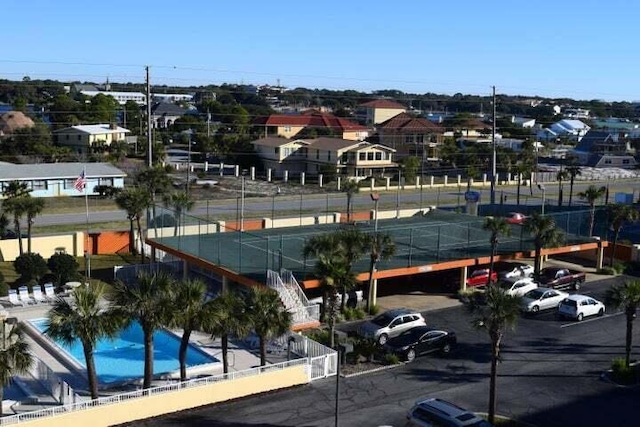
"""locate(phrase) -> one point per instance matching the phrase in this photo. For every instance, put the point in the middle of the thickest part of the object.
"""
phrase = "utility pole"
(493, 144)
(149, 136)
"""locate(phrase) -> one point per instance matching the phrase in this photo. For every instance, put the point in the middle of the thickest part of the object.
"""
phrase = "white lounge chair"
(37, 295)
(49, 291)
(13, 298)
(23, 294)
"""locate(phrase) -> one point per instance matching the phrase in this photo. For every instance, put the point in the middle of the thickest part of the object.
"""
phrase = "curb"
(371, 371)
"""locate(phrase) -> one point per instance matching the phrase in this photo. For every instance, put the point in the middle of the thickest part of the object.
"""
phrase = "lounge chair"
(37, 295)
(13, 298)
(23, 294)
(49, 291)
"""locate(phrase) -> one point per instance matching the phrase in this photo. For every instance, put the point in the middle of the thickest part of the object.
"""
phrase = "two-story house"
(290, 125)
(378, 111)
(411, 136)
(164, 114)
(602, 149)
(82, 137)
(312, 156)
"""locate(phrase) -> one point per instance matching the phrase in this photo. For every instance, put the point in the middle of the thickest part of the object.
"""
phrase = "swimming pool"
(121, 359)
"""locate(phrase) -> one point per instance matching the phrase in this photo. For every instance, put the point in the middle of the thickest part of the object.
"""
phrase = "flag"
(80, 182)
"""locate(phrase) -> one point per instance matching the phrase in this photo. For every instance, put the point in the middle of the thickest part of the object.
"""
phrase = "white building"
(122, 97)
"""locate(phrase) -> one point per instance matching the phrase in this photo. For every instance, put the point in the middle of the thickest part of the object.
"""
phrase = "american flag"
(80, 182)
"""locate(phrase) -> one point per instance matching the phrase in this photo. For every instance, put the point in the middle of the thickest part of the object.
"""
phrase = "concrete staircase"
(293, 297)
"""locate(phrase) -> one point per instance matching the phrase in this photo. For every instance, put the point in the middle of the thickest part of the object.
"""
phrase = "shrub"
(365, 347)
(4, 289)
(30, 267)
(319, 335)
(391, 359)
(618, 267)
(64, 268)
(374, 309)
(355, 313)
(621, 374)
(606, 270)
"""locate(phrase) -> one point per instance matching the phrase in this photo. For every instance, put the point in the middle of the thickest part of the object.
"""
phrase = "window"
(67, 135)
(79, 137)
(625, 161)
(370, 155)
(362, 156)
(419, 139)
(329, 155)
(408, 139)
(277, 150)
(106, 181)
(39, 185)
(607, 161)
(287, 128)
(378, 155)
(344, 158)
(317, 154)
(69, 184)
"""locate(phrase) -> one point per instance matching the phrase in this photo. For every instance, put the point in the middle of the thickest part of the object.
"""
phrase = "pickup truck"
(556, 277)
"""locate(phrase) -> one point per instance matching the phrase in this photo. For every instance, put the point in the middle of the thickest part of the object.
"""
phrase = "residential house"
(288, 126)
(164, 114)
(411, 136)
(312, 156)
(83, 137)
(602, 149)
(59, 179)
(12, 121)
(613, 124)
(575, 113)
(468, 128)
(523, 122)
(565, 128)
(172, 97)
(375, 112)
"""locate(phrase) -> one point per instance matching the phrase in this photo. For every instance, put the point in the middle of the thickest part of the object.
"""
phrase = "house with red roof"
(379, 110)
(411, 136)
(313, 156)
(313, 123)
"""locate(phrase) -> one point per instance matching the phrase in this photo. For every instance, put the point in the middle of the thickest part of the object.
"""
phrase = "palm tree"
(4, 223)
(155, 180)
(324, 247)
(180, 202)
(574, 170)
(188, 310)
(497, 227)
(350, 187)
(268, 317)
(381, 247)
(626, 297)
(227, 315)
(591, 195)
(144, 301)
(355, 244)
(561, 176)
(544, 232)
(134, 201)
(16, 206)
(619, 214)
(15, 357)
(32, 208)
(333, 271)
(85, 320)
(499, 312)
(521, 169)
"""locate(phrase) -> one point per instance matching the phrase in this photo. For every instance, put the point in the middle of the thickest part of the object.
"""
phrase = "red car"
(516, 218)
(479, 277)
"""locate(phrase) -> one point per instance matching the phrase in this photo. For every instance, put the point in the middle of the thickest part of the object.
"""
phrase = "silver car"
(542, 299)
(390, 324)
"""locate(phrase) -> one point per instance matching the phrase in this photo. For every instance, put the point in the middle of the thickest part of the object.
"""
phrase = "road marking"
(566, 325)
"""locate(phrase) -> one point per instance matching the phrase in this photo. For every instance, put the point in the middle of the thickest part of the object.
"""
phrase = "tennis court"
(435, 237)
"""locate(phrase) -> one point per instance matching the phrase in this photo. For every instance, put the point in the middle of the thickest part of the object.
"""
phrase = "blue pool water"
(122, 358)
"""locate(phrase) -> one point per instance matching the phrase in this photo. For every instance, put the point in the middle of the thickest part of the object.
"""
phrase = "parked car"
(390, 324)
(580, 306)
(518, 286)
(438, 412)
(479, 277)
(542, 299)
(516, 218)
(354, 297)
(512, 270)
(557, 277)
(420, 340)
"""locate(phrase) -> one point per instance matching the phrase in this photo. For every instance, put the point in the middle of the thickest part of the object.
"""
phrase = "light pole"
(242, 204)
(543, 189)
(189, 164)
(375, 197)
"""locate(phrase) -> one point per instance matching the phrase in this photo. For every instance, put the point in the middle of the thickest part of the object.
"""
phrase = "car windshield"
(570, 302)
(382, 320)
(534, 294)
(413, 333)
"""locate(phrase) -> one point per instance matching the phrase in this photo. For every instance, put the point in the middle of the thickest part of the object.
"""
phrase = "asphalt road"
(549, 376)
(281, 206)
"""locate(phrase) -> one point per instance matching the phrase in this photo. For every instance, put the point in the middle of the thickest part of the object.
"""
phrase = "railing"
(59, 389)
(289, 279)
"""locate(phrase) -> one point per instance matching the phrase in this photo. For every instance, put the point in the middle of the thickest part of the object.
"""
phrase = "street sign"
(472, 196)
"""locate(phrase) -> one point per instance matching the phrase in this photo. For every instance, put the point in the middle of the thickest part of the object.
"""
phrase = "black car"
(421, 340)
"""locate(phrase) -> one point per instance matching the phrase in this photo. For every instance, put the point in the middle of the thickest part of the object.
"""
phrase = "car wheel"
(446, 349)
(601, 312)
(382, 339)
(411, 355)
(576, 286)
(535, 309)
(580, 317)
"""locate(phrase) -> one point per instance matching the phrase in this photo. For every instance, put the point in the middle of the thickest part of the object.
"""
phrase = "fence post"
(320, 177)
(338, 181)
(253, 173)
(446, 180)
(302, 178)
(237, 171)
(431, 180)
(286, 176)
(269, 175)
(221, 170)
(459, 180)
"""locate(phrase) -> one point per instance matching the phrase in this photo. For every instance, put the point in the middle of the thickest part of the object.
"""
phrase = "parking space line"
(566, 325)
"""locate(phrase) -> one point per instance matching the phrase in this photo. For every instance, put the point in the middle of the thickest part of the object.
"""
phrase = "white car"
(390, 324)
(518, 286)
(542, 299)
(580, 306)
(517, 270)
(437, 412)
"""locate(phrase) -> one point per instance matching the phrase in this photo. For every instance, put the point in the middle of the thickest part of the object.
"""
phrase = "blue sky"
(578, 49)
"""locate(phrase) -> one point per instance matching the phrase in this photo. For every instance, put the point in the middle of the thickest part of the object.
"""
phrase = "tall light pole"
(188, 184)
(149, 138)
(493, 155)
(242, 204)
(375, 197)
(543, 189)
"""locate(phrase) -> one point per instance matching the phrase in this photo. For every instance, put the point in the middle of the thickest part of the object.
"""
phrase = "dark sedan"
(421, 340)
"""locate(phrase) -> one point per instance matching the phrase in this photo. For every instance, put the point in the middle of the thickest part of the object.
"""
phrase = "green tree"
(4, 223)
(325, 248)
(618, 215)
(349, 187)
(380, 247)
(155, 180)
(268, 317)
(574, 170)
(180, 202)
(410, 166)
(15, 356)
(227, 316)
(84, 319)
(64, 267)
(561, 176)
(499, 312)
(30, 266)
(627, 298)
(33, 207)
(15, 194)
(145, 302)
(102, 109)
(354, 244)
(498, 227)
(134, 201)
(545, 234)
(591, 195)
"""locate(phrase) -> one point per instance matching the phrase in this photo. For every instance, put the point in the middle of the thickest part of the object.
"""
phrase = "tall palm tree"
(381, 247)
(16, 206)
(33, 206)
(561, 176)
(15, 357)
(83, 319)
(499, 312)
(498, 227)
(134, 201)
(574, 170)
(227, 315)
(619, 214)
(545, 235)
(144, 301)
(155, 180)
(324, 247)
(333, 271)
(4, 223)
(591, 195)
(188, 310)
(268, 317)
(350, 187)
(626, 297)
(181, 203)
(355, 244)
